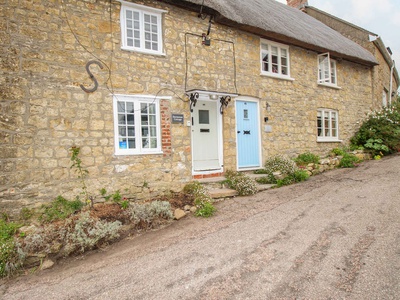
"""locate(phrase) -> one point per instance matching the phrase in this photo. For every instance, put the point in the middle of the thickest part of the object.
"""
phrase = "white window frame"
(327, 71)
(385, 101)
(141, 10)
(327, 134)
(271, 72)
(137, 100)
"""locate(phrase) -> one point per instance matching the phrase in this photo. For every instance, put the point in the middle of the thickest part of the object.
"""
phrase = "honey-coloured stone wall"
(45, 46)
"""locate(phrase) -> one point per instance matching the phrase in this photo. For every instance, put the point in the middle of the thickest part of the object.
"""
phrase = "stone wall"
(45, 45)
(381, 72)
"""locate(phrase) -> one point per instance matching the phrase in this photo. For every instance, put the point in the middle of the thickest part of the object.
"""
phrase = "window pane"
(154, 28)
(129, 107)
(123, 144)
(129, 23)
(121, 106)
(129, 33)
(132, 143)
(204, 117)
(153, 19)
(136, 25)
(130, 119)
(137, 43)
(152, 108)
(145, 143)
(153, 143)
(146, 18)
(137, 34)
(129, 14)
(319, 124)
(145, 131)
(155, 46)
(136, 16)
(143, 108)
(121, 119)
(152, 120)
(265, 59)
(122, 130)
(153, 131)
(327, 124)
(131, 131)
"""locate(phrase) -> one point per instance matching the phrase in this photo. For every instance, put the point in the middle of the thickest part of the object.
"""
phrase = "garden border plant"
(380, 132)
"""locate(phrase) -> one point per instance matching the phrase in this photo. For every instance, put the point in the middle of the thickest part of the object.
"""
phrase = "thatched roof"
(273, 20)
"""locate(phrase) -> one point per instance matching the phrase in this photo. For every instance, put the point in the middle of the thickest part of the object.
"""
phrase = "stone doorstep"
(218, 191)
(222, 193)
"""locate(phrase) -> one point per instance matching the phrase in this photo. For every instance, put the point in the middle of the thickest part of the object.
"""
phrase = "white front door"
(205, 137)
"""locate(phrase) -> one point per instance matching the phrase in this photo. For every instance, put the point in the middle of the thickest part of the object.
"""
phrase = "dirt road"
(336, 236)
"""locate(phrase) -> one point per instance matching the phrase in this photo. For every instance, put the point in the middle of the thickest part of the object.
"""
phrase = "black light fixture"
(193, 97)
(224, 100)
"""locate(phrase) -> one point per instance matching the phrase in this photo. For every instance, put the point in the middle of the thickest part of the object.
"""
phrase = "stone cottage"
(158, 93)
(385, 76)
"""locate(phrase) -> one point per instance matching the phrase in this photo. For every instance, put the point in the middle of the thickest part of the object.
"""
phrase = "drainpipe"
(391, 83)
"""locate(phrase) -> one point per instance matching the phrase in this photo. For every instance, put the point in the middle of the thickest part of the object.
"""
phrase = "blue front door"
(248, 134)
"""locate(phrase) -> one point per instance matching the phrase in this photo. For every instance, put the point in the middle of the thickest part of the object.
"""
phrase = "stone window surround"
(162, 119)
(321, 112)
(141, 9)
(277, 74)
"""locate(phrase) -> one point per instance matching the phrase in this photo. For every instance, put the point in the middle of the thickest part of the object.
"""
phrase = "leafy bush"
(269, 179)
(349, 161)
(306, 158)
(59, 209)
(201, 199)
(382, 128)
(280, 163)
(241, 182)
(297, 176)
(205, 209)
(338, 151)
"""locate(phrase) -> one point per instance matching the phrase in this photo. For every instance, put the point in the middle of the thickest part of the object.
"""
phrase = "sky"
(381, 17)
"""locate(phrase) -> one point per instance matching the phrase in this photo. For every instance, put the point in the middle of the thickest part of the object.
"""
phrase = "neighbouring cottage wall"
(381, 72)
(44, 112)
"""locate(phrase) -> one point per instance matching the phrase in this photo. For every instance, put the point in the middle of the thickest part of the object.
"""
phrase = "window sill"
(143, 51)
(137, 154)
(328, 85)
(277, 76)
(326, 140)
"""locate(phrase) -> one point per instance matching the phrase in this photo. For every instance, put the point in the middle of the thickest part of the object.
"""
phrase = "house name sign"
(177, 118)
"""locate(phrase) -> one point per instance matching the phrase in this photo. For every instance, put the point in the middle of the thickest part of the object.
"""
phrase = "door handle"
(238, 131)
